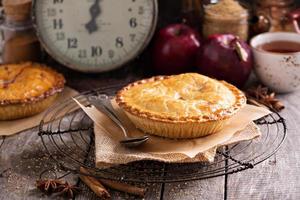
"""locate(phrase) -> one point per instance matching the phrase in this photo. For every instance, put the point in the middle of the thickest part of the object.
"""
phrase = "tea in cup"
(277, 60)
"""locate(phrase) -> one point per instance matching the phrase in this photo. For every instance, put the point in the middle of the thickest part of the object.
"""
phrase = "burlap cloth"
(109, 151)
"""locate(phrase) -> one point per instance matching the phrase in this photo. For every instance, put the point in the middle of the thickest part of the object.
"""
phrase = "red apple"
(175, 49)
(225, 57)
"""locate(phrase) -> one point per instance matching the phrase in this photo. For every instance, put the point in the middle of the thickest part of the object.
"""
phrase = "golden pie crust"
(27, 89)
(180, 106)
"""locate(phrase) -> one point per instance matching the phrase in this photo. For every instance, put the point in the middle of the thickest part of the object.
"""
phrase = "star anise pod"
(48, 186)
(68, 190)
(263, 96)
(258, 92)
(273, 102)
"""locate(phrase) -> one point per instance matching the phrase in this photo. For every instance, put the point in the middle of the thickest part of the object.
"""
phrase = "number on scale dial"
(95, 35)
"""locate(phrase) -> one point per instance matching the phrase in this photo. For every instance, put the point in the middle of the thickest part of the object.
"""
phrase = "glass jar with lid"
(276, 11)
(19, 42)
(226, 16)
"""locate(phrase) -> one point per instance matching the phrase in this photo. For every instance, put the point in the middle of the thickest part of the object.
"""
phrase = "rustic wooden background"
(23, 158)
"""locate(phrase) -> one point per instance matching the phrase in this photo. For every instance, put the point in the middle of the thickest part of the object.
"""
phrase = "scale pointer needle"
(95, 11)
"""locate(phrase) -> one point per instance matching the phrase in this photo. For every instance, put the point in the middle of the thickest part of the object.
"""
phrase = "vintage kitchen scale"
(95, 35)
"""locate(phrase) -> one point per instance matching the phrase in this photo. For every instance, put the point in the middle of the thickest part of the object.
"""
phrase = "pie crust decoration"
(180, 106)
(27, 89)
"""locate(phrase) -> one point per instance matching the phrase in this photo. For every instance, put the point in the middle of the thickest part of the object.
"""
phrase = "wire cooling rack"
(69, 140)
(2, 138)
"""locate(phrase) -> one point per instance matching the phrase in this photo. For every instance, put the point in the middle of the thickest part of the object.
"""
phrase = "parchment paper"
(110, 152)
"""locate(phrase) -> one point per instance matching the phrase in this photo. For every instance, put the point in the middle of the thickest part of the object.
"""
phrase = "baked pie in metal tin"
(27, 89)
(180, 106)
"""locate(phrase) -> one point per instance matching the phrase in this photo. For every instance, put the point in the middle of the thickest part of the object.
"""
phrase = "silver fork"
(103, 104)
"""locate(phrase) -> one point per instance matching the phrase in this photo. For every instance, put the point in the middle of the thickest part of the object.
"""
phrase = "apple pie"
(27, 89)
(180, 106)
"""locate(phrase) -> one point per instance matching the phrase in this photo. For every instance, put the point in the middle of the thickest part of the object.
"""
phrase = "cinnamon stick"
(255, 102)
(95, 186)
(123, 187)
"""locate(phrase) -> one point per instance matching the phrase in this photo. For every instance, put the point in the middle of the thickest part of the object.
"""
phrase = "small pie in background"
(27, 89)
(180, 106)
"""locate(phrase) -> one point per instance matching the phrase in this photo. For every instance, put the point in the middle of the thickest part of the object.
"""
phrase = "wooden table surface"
(23, 158)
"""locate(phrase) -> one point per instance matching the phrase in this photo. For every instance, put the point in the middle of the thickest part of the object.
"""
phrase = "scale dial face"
(95, 35)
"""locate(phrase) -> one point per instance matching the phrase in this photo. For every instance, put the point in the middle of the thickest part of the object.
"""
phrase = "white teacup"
(279, 71)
